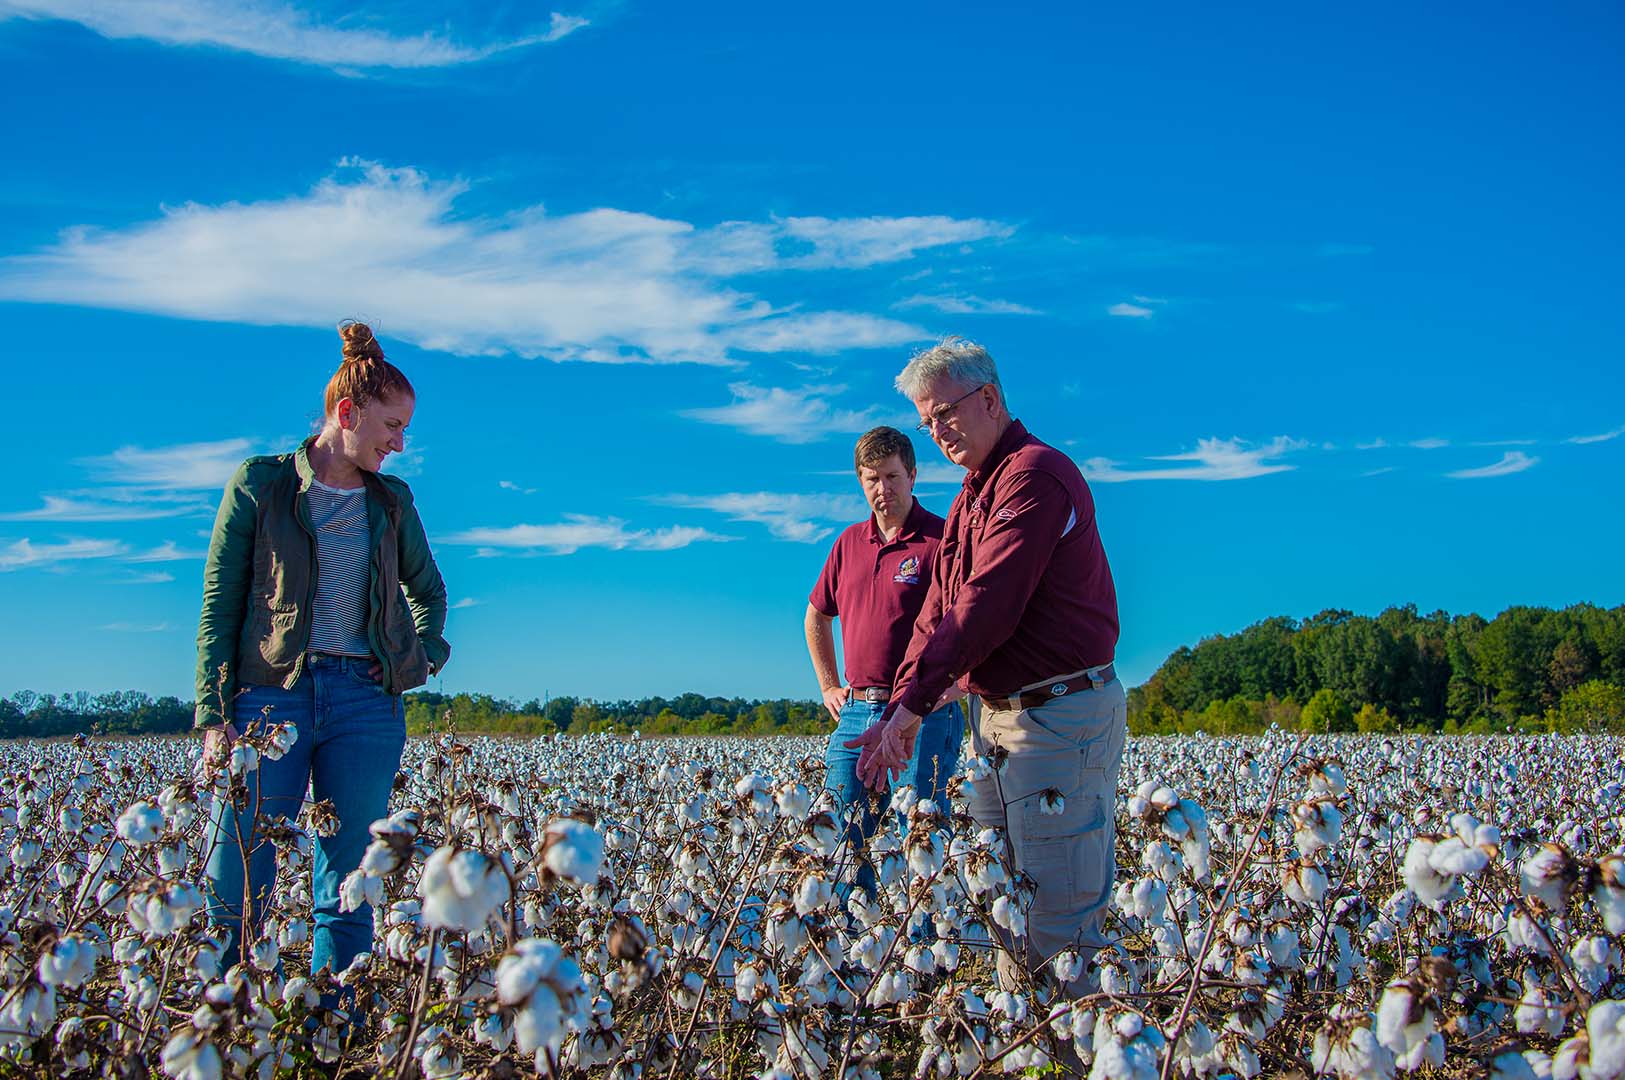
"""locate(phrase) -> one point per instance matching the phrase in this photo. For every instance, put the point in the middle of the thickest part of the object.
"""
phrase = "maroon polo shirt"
(1021, 591)
(875, 587)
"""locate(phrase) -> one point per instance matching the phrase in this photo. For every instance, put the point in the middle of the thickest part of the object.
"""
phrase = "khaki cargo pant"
(1073, 744)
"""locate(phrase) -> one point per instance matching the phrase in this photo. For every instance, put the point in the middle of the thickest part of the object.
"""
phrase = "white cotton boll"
(1161, 860)
(1547, 874)
(920, 960)
(1051, 803)
(1522, 932)
(141, 824)
(1304, 885)
(264, 954)
(1605, 1025)
(1067, 965)
(461, 889)
(1609, 893)
(1595, 959)
(358, 888)
(1538, 1011)
(243, 759)
(813, 893)
(905, 799)
(574, 850)
(68, 963)
(280, 739)
(189, 1056)
(1452, 855)
(172, 858)
(946, 954)
(794, 801)
(1423, 879)
(380, 858)
(1149, 899)
(1008, 915)
(926, 854)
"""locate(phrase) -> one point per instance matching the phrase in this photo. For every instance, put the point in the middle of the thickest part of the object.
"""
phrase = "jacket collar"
(371, 481)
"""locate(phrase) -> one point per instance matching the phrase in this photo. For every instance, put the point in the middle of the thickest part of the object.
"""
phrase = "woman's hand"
(217, 744)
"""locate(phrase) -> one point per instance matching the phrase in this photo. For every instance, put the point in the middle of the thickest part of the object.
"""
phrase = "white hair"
(954, 358)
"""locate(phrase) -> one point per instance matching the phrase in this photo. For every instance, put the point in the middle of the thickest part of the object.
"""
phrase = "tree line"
(1528, 669)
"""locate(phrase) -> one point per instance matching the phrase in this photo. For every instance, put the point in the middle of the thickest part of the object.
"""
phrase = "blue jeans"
(351, 734)
(935, 760)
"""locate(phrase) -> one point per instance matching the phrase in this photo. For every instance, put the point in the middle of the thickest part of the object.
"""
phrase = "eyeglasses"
(940, 414)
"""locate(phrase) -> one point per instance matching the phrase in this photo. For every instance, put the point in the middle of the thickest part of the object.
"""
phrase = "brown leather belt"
(1093, 679)
(874, 695)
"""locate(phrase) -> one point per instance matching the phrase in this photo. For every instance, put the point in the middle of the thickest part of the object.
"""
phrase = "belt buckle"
(1058, 690)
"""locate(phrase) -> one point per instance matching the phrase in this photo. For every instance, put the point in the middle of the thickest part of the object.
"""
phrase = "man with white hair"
(1022, 602)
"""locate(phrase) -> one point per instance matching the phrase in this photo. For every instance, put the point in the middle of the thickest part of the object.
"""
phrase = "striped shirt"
(343, 556)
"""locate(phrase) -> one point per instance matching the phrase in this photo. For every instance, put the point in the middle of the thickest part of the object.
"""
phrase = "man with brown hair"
(1023, 605)
(874, 581)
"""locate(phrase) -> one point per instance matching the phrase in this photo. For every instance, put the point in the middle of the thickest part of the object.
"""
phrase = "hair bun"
(359, 341)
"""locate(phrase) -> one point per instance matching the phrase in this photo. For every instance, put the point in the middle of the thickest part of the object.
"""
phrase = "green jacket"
(259, 584)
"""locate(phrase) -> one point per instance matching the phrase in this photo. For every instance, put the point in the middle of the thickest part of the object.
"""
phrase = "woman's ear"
(345, 413)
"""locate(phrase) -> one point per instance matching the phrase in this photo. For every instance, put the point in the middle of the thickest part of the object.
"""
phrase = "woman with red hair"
(322, 605)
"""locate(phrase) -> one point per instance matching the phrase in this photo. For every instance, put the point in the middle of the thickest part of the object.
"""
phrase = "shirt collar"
(911, 526)
(1013, 436)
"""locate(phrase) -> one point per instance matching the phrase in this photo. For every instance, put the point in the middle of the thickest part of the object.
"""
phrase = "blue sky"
(1326, 302)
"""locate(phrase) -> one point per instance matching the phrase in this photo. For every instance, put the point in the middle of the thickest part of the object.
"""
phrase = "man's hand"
(835, 697)
(886, 748)
(949, 696)
(217, 744)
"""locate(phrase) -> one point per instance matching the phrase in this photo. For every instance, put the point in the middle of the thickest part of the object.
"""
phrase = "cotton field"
(1355, 907)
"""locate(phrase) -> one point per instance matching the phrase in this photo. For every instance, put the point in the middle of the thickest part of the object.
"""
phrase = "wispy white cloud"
(1130, 311)
(134, 628)
(61, 508)
(801, 415)
(1214, 459)
(800, 518)
(965, 305)
(1504, 442)
(1606, 436)
(857, 242)
(24, 553)
(1433, 443)
(579, 531)
(509, 485)
(203, 466)
(940, 474)
(168, 551)
(279, 31)
(602, 285)
(152, 577)
(465, 602)
(1379, 472)
(1375, 444)
(1513, 461)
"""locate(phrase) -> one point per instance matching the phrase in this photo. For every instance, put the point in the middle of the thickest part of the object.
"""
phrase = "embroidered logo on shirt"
(1005, 514)
(908, 571)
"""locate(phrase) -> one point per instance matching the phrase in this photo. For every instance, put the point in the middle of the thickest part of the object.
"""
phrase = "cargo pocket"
(1067, 854)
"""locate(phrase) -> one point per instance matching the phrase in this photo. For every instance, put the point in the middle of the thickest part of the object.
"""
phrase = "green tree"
(1595, 706)
(1326, 711)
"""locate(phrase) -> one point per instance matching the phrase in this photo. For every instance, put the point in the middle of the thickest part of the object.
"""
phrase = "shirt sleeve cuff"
(916, 700)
